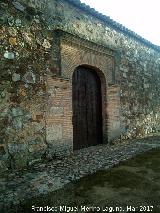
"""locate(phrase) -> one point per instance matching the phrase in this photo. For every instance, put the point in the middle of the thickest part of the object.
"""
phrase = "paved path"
(47, 177)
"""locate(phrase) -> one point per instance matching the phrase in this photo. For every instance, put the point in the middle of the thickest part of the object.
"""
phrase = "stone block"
(15, 148)
(19, 161)
(59, 149)
(16, 111)
(19, 155)
(17, 122)
(56, 111)
(3, 166)
(53, 133)
(2, 150)
(36, 150)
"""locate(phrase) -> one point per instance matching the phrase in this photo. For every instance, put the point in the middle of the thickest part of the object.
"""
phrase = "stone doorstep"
(49, 181)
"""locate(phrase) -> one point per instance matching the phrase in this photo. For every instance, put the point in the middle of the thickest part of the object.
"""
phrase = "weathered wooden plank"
(87, 108)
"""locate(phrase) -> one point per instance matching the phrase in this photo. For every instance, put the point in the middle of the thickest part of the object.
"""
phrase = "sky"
(140, 16)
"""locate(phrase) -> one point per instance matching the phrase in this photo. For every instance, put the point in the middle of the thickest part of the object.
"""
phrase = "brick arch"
(98, 71)
(74, 55)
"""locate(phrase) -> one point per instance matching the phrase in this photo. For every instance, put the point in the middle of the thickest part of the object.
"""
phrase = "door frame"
(76, 51)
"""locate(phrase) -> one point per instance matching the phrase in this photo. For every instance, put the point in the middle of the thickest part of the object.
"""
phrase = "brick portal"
(75, 52)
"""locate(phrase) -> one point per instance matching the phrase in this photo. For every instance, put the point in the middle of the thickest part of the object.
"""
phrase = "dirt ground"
(131, 186)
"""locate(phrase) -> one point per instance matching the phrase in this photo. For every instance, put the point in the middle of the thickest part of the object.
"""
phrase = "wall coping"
(115, 25)
(74, 39)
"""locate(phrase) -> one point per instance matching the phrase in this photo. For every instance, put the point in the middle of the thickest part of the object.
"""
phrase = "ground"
(133, 183)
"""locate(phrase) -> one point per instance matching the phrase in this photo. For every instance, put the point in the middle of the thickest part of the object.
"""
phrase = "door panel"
(87, 108)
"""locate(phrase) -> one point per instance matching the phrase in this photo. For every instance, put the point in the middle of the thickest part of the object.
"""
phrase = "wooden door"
(87, 108)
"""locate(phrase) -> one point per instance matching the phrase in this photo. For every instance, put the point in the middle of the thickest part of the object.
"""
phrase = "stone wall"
(25, 61)
(36, 72)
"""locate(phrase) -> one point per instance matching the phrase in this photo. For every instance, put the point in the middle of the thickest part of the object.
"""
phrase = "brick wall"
(59, 116)
(113, 112)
